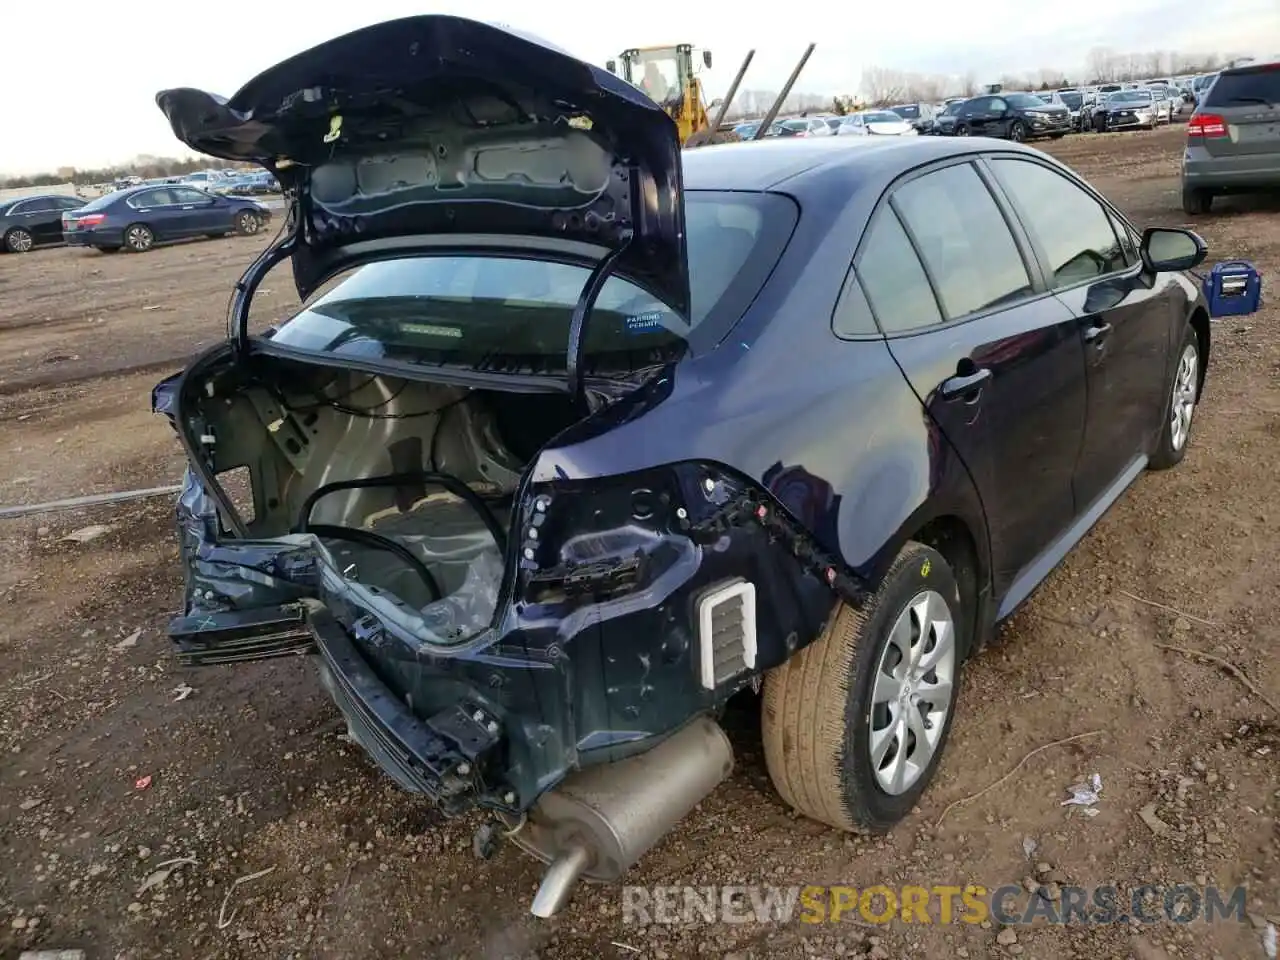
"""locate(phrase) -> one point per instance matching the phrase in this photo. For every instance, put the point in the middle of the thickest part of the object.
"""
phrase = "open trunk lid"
(434, 133)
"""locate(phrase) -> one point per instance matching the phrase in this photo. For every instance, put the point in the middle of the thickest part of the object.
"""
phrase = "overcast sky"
(79, 90)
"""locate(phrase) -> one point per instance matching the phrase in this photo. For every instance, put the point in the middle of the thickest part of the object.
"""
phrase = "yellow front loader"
(668, 76)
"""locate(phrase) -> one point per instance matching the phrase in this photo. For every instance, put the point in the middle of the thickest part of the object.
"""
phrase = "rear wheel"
(854, 725)
(18, 240)
(1196, 200)
(962, 130)
(138, 238)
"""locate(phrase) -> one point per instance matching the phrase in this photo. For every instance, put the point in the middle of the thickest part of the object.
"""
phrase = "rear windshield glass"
(482, 310)
(98, 203)
(910, 111)
(1072, 100)
(1248, 86)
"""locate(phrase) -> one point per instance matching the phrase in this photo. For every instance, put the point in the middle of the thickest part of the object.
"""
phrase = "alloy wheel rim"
(1182, 406)
(248, 223)
(20, 241)
(139, 238)
(912, 693)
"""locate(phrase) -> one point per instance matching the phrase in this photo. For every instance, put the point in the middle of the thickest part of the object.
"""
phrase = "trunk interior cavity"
(297, 429)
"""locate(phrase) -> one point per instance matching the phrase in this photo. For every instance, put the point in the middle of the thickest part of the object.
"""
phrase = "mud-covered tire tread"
(808, 711)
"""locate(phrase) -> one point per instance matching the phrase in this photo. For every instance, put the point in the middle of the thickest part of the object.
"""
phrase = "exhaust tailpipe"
(601, 820)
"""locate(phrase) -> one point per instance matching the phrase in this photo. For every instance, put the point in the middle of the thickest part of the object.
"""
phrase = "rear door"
(41, 217)
(994, 358)
(158, 209)
(1248, 101)
(1124, 316)
(975, 115)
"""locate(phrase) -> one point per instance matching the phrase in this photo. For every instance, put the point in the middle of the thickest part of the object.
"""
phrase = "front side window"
(964, 240)
(1073, 230)
(476, 308)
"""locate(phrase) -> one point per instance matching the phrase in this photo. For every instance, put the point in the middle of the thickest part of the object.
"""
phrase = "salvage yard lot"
(116, 761)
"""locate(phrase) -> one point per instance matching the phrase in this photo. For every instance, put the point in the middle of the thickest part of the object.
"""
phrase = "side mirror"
(1165, 249)
(611, 66)
(706, 59)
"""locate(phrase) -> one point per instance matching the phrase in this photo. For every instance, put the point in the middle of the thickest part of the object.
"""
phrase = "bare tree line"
(882, 86)
(144, 166)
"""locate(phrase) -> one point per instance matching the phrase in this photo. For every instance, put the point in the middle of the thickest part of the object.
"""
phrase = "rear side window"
(963, 239)
(1256, 86)
(1073, 230)
(894, 280)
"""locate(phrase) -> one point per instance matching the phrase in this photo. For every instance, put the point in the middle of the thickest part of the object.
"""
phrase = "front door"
(200, 213)
(995, 360)
(1124, 317)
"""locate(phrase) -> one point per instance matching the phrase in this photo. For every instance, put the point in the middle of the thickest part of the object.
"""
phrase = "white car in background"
(1166, 101)
(884, 123)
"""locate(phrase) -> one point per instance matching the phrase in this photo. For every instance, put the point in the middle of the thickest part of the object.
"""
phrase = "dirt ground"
(107, 773)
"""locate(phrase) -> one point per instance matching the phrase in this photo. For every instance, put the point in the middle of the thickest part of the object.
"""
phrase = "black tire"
(1184, 389)
(138, 238)
(18, 240)
(818, 716)
(247, 223)
(1018, 131)
(962, 130)
(1196, 200)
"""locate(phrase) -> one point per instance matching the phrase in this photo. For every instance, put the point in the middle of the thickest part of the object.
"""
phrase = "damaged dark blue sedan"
(583, 436)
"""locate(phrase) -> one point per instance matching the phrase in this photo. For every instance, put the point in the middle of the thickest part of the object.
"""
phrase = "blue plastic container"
(1233, 289)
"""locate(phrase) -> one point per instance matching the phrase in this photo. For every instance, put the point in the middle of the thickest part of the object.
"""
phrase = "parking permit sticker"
(644, 322)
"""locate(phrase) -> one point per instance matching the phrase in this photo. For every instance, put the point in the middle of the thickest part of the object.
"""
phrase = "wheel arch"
(1199, 321)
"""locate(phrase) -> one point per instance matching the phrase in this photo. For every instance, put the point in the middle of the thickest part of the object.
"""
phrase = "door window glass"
(964, 240)
(152, 198)
(1072, 228)
(894, 280)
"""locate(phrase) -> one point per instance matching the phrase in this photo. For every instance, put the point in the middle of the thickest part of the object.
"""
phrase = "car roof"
(766, 164)
(40, 196)
(1258, 66)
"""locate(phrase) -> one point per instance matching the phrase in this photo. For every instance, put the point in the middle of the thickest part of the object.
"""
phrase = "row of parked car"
(133, 219)
(233, 182)
(1013, 115)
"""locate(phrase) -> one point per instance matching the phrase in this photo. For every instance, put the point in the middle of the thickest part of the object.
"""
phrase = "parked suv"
(552, 463)
(1233, 137)
(1073, 100)
(1013, 116)
(944, 122)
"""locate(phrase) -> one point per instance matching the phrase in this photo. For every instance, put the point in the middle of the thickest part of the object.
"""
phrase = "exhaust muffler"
(600, 821)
